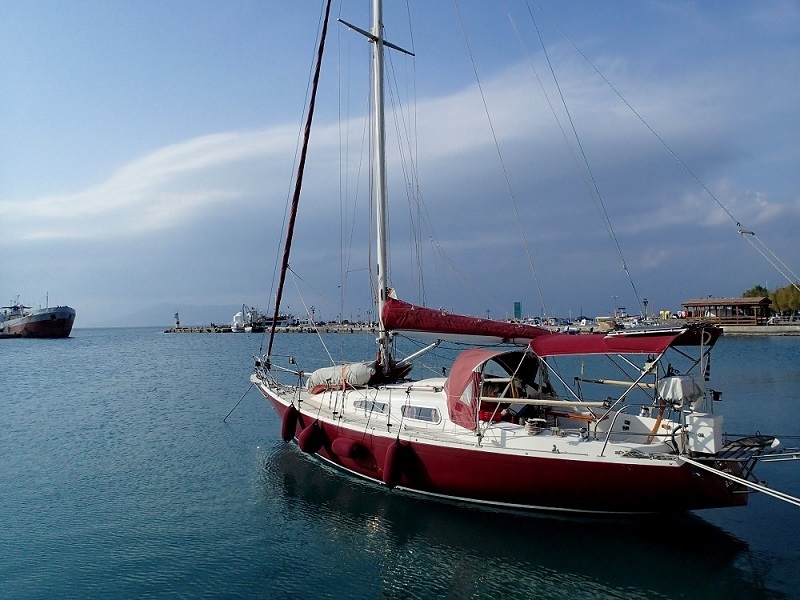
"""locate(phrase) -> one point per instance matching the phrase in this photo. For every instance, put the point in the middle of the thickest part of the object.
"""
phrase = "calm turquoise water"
(119, 478)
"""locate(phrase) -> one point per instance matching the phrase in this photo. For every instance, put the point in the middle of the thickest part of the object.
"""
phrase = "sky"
(148, 150)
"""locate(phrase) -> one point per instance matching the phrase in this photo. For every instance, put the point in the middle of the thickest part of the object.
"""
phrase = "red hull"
(523, 482)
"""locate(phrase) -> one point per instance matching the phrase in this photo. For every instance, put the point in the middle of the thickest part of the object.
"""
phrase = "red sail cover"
(560, 344)
(402, 316)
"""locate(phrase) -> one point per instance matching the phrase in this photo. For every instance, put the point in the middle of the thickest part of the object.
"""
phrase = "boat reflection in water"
(457, 551)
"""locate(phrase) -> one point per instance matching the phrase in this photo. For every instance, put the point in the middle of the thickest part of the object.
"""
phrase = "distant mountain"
(163, 315)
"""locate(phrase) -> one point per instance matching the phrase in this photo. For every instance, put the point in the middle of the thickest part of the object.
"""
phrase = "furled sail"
(429, 322)
(598, 343)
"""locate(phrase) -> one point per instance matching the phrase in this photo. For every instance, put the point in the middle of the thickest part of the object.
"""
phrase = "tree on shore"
(756, 292)
(785, 299)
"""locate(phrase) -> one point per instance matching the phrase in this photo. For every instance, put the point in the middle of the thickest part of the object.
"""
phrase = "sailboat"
(506, 426)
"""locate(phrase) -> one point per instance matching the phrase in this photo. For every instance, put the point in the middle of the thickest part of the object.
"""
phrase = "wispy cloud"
(187, 186)
(227, 170)
(156, 192)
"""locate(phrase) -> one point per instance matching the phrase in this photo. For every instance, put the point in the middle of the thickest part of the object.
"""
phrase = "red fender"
(289, 423)
(311, 438)
(347, 448)
(393, 465)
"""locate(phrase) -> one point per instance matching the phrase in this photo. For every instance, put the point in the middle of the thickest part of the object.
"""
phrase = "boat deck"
(381, 413)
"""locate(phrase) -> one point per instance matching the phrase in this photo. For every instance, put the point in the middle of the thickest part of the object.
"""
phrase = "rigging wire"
(415, 191)
(299, 179)
(415, 199)
(500, 157)
(596, 195)
(344, 155)
(405, 121)
(408, 165)
(293, 176)
(348, 211)
(295, 277)
(764, 251)
(683, 165)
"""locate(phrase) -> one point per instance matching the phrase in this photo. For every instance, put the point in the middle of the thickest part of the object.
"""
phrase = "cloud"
(211, 207)
(697, 208)
(228, 171)
(157, 192)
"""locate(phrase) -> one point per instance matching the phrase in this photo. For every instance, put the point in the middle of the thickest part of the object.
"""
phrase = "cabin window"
(370, 406)
(421, 413)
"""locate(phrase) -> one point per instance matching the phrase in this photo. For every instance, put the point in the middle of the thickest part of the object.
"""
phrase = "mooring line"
(755, 486)
(238, 403)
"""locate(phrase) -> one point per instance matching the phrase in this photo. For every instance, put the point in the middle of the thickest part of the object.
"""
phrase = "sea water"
(120, 477)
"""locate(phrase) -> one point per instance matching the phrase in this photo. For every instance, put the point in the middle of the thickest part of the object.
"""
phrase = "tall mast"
(379, 163)
(299, 181)
(381, 212)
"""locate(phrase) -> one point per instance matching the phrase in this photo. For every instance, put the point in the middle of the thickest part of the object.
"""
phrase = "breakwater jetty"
(775, 329)
(326, 328)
